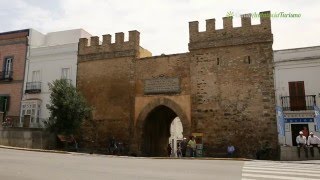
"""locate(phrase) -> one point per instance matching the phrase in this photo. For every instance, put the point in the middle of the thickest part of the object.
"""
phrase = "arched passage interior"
(156, 131)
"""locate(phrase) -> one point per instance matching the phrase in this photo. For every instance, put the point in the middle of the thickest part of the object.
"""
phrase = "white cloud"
(163, 23)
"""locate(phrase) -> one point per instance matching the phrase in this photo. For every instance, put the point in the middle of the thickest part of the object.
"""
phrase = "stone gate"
(223, 87)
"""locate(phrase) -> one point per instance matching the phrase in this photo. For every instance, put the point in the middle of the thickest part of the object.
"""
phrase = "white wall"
(297, 65)
(49, 54)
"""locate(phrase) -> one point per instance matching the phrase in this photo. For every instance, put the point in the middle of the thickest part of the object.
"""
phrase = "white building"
(297, 83)
(51, 56)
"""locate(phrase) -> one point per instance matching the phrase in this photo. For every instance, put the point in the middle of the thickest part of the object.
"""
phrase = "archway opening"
(157, 131)
(176, 132)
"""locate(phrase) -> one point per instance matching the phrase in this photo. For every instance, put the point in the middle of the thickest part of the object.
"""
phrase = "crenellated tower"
(232, 83)
(108, 50)
(229, 35)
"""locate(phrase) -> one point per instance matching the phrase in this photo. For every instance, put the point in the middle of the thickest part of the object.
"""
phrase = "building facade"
(13, 53)
(52, 56)
(297, 89)
(222, 88)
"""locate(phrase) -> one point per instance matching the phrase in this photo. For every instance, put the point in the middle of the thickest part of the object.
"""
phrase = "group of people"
(186, 148)
(304, 141)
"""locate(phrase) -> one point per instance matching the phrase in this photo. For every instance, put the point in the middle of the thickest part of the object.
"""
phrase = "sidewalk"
(79, 153)
(37, 150)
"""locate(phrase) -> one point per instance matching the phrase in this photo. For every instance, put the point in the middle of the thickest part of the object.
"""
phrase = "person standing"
(305, 132)
(313, 141)
(183, 146)
(179, 152)
(230, 150)
(302, 142)
(192, 146)
(169, 150)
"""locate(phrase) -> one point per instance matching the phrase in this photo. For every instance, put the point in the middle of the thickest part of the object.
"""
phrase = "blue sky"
(163, 24)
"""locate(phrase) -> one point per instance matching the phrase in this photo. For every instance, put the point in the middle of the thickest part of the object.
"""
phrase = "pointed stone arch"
(147, 109)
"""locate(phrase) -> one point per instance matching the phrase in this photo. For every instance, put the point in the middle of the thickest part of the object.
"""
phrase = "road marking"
(309, 170)
(279, 170)
(276, 177)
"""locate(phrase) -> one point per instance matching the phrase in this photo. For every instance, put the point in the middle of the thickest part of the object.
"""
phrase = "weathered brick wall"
(13, 45)
(106, 86)
(232, 87)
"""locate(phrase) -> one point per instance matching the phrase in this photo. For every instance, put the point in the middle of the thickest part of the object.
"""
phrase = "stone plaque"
(162, 85)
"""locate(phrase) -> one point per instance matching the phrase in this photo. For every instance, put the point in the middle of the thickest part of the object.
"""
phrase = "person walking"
(313, 141)
(302, 142)
(192, 146)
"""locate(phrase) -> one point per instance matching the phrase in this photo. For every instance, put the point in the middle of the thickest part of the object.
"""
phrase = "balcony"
(33, 87)
(298, 103)
(69, 81)
(6, 75)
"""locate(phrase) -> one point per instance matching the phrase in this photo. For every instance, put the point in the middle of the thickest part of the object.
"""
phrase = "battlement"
(119, 48)
(230, 35)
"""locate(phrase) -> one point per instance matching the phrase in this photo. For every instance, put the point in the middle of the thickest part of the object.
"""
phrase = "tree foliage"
(67, 107)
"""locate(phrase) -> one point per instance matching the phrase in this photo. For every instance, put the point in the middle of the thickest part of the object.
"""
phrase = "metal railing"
(68, 80)
(298, 103)
(6, 75)
(33, 87)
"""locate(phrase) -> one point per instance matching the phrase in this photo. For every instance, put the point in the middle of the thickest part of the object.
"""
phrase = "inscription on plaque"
(162, 85)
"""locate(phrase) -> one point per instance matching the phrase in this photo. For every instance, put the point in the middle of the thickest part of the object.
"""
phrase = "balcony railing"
(298, 103)
(69, 81)
(33, 87)
(6, 75)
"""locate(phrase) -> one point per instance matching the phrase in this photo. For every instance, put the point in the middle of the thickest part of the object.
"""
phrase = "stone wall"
(26, 138)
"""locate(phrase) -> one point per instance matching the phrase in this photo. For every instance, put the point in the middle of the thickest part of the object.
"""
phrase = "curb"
(36, 150)
(203, 158)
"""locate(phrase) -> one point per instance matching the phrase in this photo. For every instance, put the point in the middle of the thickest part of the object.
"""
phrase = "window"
(31, 108)
(8, 67)
(36, 76)
(4, 103)
(65, 73)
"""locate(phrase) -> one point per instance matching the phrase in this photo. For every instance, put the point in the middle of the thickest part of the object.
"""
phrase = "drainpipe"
(26, 70)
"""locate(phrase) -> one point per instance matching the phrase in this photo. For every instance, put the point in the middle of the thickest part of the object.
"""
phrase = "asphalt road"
(26, 165)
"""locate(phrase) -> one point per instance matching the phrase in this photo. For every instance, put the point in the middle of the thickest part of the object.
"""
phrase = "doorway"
(295, 129)
(156, 131)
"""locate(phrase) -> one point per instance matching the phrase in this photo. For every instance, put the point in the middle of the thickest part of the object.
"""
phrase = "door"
(297, 96)
(295, 129)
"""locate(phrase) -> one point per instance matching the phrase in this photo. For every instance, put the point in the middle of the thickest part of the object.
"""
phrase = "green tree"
(67, 107)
